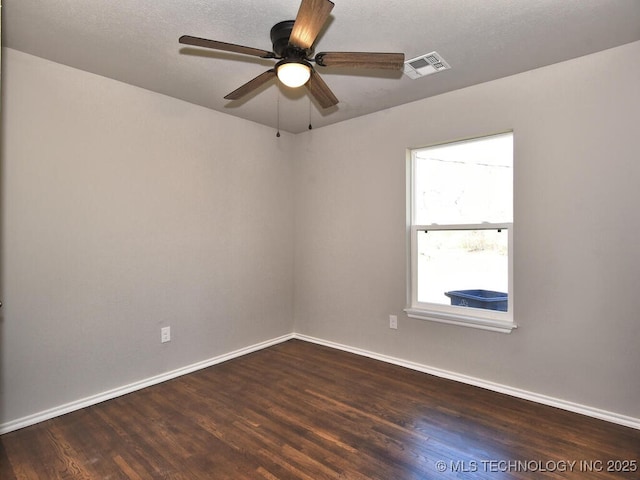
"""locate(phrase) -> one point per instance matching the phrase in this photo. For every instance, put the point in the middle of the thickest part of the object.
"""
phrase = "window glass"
(462, 260)
(464, 182)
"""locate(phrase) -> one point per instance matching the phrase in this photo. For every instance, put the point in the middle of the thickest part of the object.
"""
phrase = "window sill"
(502, 326)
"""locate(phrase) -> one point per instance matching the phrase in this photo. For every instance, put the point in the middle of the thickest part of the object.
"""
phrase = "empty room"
(313, 239)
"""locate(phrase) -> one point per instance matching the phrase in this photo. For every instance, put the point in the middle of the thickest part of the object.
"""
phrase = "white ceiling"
(136, 41)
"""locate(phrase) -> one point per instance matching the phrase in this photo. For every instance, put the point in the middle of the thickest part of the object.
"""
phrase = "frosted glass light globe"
(294, 74)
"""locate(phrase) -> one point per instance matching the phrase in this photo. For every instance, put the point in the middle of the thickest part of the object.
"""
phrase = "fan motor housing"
(280, 34)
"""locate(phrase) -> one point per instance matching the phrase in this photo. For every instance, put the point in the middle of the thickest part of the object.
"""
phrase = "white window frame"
(455, 315)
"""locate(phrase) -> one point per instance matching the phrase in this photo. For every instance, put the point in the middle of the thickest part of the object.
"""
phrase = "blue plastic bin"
(486, 299)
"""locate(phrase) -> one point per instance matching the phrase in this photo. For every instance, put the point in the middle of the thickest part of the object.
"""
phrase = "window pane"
(463, 260)
(465, 182)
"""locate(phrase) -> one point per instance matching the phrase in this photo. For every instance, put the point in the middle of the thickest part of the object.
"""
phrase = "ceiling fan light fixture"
(293, 74)
(293, 44)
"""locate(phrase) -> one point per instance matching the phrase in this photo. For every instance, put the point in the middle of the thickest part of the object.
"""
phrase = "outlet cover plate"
(165, 334)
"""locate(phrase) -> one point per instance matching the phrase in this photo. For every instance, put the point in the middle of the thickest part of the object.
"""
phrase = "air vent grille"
(425, 65)
(420, 63)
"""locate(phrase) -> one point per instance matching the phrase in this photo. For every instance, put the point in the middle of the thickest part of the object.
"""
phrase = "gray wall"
(577, 263)
(124, 211)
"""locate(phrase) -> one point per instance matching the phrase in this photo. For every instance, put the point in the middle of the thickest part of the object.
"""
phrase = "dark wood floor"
(302, 411)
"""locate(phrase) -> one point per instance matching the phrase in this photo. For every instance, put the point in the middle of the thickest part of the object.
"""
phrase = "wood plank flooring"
(303, 411)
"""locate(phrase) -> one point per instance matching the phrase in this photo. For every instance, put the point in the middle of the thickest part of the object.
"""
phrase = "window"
(461, 233)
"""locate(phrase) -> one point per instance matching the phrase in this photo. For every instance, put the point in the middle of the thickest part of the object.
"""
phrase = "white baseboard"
(496, 387)
(117, 392)
(478, 382)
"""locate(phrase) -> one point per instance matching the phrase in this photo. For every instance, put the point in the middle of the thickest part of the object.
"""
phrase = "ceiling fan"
(293, 46)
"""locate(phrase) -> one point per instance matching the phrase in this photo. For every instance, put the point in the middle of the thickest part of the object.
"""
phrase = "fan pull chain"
(310, 126)
(278, 114)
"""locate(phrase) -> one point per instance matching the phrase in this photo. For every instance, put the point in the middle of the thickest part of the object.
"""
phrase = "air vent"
(425, 65)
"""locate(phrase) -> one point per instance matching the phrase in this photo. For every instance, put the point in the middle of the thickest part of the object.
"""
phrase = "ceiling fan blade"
(320, 91)
(227, 47)
(251, 85)
(311, 17)
(385, 61)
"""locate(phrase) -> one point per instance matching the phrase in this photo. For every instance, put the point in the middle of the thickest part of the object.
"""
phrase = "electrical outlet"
(393, 322)
(165, 334)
